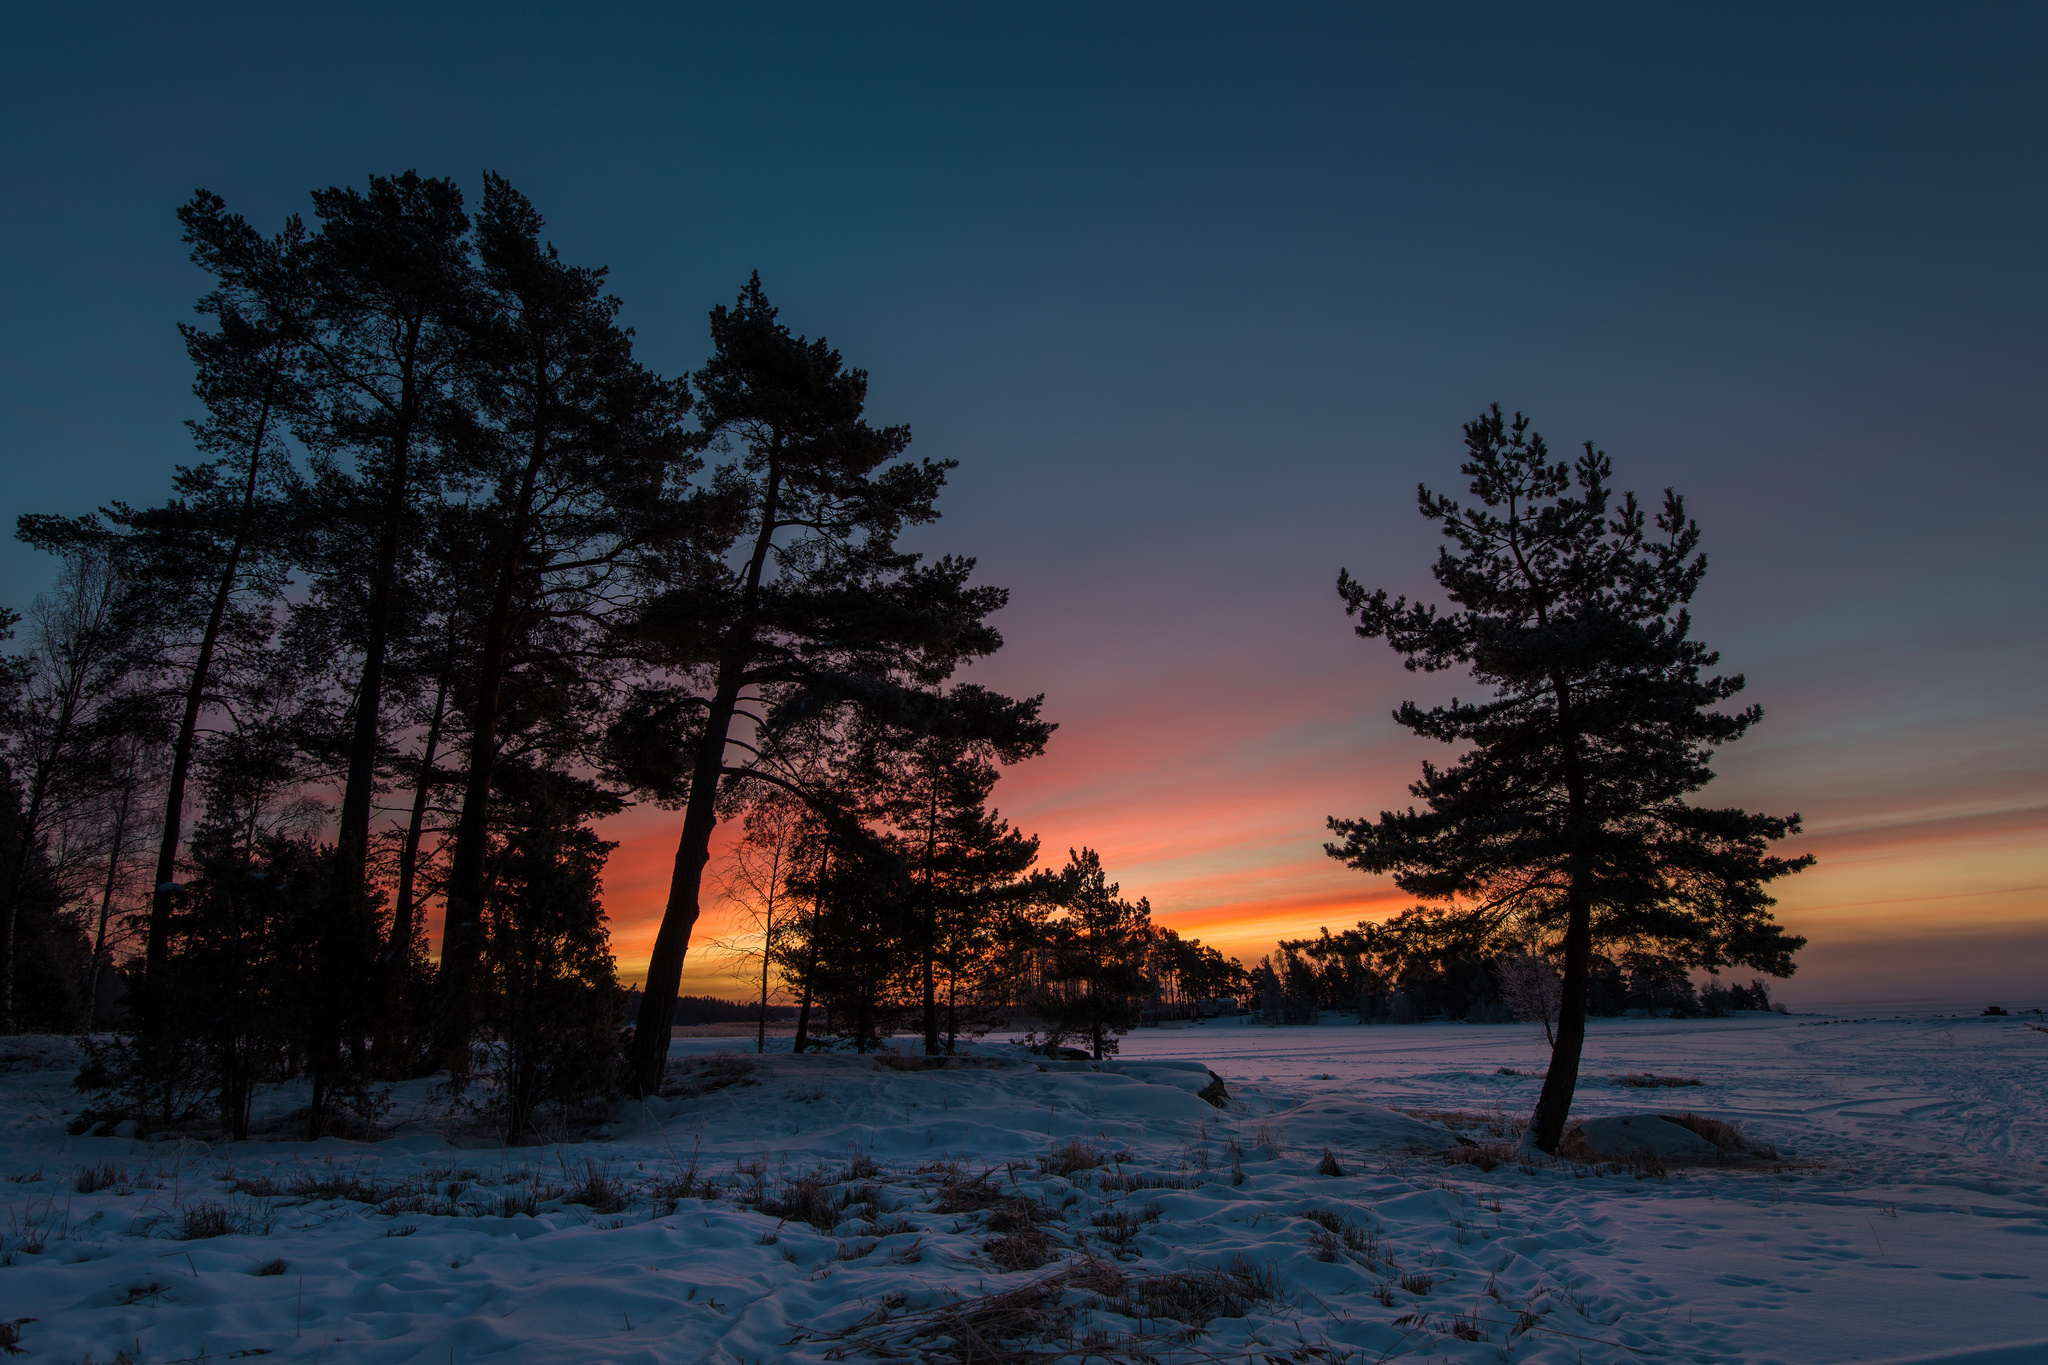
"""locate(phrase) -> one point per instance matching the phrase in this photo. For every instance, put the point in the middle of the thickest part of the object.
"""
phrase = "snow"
(1906, 1217)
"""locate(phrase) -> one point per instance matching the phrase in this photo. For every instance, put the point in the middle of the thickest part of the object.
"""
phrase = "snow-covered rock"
(1625, 1135)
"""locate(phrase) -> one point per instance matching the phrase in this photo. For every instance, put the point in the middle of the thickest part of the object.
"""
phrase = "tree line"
(454, 576)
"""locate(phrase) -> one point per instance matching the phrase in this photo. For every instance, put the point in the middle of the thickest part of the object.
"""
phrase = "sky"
(1196, 295)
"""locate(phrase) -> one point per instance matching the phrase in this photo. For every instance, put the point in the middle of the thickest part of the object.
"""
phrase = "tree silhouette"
(1567, 812)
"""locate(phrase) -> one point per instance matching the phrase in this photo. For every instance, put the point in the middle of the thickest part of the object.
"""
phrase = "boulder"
(1625, 1135)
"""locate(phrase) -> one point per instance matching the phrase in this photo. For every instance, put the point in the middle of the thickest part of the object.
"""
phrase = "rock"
(1625, 1135)
(1347, 1125)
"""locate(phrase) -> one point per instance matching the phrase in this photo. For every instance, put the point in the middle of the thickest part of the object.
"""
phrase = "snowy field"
(827, 1208)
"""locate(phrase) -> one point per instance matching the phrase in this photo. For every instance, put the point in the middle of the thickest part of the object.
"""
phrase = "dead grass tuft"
(1644, 1080)
(1014, 1214)
(597, 1190)
(101, 1176)
(1119, 1227)
(1076, 1155)
(1329, 1165)
(1027, 1248)
(200, 1221)
(969, 1196)
(806, 1199)
(1195, 1298)
(1485, 1155)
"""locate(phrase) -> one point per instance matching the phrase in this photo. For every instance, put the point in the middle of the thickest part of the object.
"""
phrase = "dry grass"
(1013, 1214)
(701, 1075)
(596, 1191)
(101, 1176)
(1038, 1321)
(1195, 1298)
(1494, 1123)
(806, 1199)
(1027, 1248)
(1337, 1238)
(1130, 1182)
(10, 1336)
(519, 1203)
(1076, 1155)
(1329, 1165)
(1726, 1136)
(1119, 1227)
(1644, 1080)
(1486, 1156)
(969, 1196)
(197, 1222)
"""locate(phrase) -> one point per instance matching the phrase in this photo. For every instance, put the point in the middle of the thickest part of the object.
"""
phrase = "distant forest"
(451, 576)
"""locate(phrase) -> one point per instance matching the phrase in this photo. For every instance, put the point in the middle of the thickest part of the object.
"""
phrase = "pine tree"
(203, 571)
(549, 998)
(958, 855)
(385, 345)
(574, 462)
(1568, 810)
(1097, 945)
(821, 613)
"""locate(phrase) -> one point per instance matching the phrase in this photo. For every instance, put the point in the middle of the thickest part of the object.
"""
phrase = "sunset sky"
(1196, 295)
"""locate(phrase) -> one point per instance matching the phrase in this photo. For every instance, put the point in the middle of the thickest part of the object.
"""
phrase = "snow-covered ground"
(827, 1208)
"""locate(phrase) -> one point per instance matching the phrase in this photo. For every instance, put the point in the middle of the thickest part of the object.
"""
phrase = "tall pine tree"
(809, 608)
(1568, 811)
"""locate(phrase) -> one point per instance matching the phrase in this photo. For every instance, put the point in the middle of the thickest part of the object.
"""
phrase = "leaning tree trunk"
(1560, 1082)
(679, 915)
(156, 950)
(649, 1052)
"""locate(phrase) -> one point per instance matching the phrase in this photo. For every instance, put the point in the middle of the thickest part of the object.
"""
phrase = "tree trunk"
(335, 968)
(1554, 1105)
(352, 834)
(767, 937)
(99, 942)
(803, 1016)
(461, 935)
(403, 928)
(700, 818)
(1560, 1082)
(679, 915)
(156, 949)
